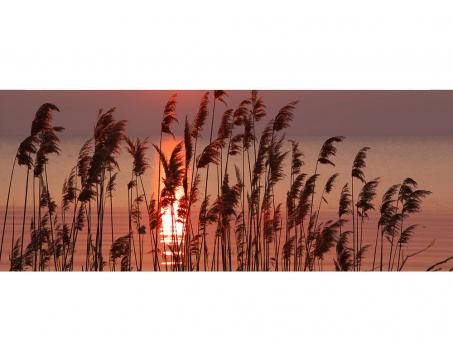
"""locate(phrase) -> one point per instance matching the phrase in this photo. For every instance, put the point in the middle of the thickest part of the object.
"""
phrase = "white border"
(235, 44)
(226, 317)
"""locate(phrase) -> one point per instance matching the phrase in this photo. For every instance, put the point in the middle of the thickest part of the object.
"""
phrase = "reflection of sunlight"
(171, 228)
(171, 233)
(170, 262)
(167, 253)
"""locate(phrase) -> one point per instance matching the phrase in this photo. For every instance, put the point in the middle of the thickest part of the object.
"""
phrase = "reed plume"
(326, 237)
(358, 165)
(42, 140)
(219, 96)
(201, 116)
(239, 225)
(174, 171)
(343, 261)
(120, 250)
(387, 221)
(168, 119)
(209, 155)
(363, 206)
(137, 149)
(108, 136)
(326, 153)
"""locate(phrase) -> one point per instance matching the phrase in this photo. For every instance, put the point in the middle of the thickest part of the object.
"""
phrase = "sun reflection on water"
(171, 233)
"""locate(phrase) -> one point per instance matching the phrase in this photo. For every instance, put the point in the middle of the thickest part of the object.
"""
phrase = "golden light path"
(171, 233)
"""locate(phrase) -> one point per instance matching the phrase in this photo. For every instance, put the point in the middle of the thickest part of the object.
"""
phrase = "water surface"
(428, 160)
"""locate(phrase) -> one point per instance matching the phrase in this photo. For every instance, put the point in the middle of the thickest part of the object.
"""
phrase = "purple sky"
(348, 113)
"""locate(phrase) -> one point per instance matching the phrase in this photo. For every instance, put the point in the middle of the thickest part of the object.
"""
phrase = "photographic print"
(241, 181)
(226, 180)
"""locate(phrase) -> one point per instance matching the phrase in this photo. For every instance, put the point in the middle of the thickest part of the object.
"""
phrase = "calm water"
(428, 160)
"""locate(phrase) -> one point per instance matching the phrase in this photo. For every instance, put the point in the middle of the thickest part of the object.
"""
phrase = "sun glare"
(171, 233)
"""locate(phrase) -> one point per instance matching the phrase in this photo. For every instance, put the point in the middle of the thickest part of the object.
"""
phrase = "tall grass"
(239, 224)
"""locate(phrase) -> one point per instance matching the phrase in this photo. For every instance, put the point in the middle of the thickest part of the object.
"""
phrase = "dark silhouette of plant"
(292, 242)
(343, 261)
(358, 165)
(437, 266)
(363, 206)
(168, 119)
(174, 171)
(386, 222)
(208, 153)
(108, 135)
(195, 131)
(137, 149)
(327, 236)
(42, 141)
(120, 250)
(238, 225)
(409, 199)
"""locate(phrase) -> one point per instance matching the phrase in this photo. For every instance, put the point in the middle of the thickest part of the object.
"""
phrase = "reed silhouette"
(240, 224)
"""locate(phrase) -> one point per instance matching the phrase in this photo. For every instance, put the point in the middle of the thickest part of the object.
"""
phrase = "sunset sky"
(350, 113)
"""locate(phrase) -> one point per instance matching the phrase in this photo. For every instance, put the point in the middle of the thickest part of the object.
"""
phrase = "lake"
(428, 160)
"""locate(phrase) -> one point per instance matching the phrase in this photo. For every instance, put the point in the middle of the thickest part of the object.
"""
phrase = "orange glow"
(170, 226)
(171, 233)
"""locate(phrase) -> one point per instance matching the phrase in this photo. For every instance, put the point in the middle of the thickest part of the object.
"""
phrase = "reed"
(239, 224)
